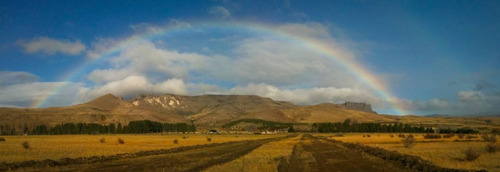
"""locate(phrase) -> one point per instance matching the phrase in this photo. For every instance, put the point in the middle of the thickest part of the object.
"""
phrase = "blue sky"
(435, 57)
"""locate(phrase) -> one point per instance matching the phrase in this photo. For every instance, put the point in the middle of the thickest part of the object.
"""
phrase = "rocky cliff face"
(359, 107)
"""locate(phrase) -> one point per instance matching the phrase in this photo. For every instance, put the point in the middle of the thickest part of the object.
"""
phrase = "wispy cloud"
(220, 11)
(51, 46)
(13, 77)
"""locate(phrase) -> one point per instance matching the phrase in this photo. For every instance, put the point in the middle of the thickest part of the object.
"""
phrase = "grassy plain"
(264, 158)
(73, 146)
(446, 152)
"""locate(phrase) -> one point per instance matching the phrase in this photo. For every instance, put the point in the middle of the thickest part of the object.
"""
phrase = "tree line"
(263, 124)
(133, 127)
(459, 130)
(353, 126)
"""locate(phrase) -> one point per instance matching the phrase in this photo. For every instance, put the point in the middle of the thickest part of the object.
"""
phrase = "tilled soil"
(313, 154)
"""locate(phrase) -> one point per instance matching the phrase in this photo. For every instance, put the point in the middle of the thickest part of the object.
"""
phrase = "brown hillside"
(328, 112)
(103, 110)
(214, 111)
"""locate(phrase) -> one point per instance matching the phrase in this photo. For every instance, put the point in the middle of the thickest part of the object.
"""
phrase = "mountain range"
(214, 111)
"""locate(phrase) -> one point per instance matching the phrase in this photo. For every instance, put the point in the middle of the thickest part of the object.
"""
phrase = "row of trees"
(353, 126)
(263, 124)
(460, 130)
(145, 126)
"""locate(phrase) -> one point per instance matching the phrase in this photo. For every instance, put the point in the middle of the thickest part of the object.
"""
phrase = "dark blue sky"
(434, 56)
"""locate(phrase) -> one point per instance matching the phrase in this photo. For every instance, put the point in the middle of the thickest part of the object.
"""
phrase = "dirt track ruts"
(313, 154)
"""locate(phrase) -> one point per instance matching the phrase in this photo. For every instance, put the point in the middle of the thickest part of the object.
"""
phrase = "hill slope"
(209, 111)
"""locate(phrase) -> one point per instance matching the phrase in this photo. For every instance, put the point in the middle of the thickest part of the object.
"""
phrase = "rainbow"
(317, 45)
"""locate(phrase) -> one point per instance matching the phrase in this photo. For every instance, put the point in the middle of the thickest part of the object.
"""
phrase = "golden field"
(73, 146)
(443, 152)
(264, 158)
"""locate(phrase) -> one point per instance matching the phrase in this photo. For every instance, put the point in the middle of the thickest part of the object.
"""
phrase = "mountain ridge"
(207, 111)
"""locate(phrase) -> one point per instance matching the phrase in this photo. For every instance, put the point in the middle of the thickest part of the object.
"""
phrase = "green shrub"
(176, 141)
(120, 141)
(209, 139)
(102, 140)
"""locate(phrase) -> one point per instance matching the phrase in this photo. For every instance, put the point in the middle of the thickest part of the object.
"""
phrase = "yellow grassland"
(264, 158)
(443, 152)
(73, 146)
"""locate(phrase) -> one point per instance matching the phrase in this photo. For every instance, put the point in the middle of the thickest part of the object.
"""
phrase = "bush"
(485, 137)
(461, 135)
(411, 136)
(492, 148)
(364, 136)
(448, 135)
(401, 135)
(2, 139)
(432, 136)
(120, 141)
(209, 139)
(102, 140)
(176, 141)
(469, 137)
(184, 137)
(392, 135)
(409, 142)
(368, 135)
(495, 131)
(493, 138)
(25, 145)
(471, 154)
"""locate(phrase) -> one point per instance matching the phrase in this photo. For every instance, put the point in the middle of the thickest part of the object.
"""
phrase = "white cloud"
(26, 94)
(469, 96)
(220, 11)
(135, 85)
(276, 63)
(52, 46)
(11, 78)
(466, 102)
(148, 60)
(284, 70)
(100, 46)
(309, 95)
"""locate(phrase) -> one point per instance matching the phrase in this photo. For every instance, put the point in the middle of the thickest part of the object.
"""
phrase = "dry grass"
(264, 158)
(443, 152)
(73, 146)
(386, 138)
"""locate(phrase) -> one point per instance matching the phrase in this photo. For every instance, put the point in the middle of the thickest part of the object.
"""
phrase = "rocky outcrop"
(359, 107)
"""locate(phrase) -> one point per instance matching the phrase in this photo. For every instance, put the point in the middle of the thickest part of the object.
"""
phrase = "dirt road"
(313, 154)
